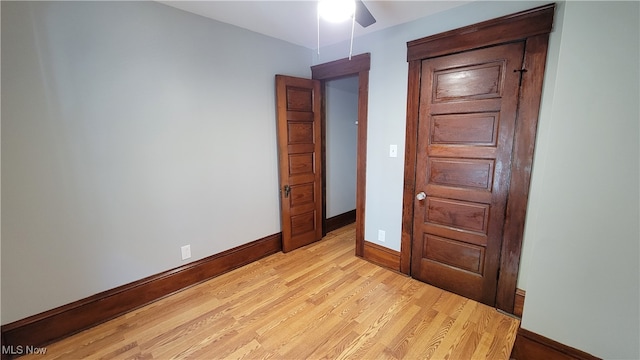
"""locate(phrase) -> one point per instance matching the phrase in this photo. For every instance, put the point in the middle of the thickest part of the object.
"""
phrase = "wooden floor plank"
(318, 302)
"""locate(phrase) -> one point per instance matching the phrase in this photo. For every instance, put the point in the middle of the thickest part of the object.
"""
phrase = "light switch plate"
(393, 151)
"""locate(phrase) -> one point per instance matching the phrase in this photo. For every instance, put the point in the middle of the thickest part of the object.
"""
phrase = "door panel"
(299, 148)
(472, 82)
(458, 214)
(468, 104)
(454, 172)
(468, 129)
(454, 253)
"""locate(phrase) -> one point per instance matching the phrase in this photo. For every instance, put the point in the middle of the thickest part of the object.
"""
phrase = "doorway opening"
(340, 155)
(358, 67)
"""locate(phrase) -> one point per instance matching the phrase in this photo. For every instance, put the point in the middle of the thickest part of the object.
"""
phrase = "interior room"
(140, 138)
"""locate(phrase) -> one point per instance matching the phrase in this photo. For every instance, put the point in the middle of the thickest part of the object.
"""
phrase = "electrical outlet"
(381, 235)
(186, 252)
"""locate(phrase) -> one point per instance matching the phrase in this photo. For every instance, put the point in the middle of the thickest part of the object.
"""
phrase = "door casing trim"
(358, 65)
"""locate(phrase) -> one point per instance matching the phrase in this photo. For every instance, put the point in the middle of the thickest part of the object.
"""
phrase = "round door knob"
(421, 196)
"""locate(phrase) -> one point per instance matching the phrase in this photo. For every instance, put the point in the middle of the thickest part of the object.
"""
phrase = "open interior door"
(299, 151)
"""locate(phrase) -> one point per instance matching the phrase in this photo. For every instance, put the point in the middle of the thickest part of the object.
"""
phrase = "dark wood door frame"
(358, 65)
(532, 26)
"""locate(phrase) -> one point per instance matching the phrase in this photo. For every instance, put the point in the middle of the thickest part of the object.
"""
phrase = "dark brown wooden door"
(468, 105)
(299, 148)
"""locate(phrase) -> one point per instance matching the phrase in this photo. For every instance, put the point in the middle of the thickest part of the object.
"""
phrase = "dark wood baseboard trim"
(55, 324)
(382, 256)
(338, 221)
(518, 302)
(532, 346)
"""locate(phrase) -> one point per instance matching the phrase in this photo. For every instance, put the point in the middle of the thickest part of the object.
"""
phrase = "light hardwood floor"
(316, 302)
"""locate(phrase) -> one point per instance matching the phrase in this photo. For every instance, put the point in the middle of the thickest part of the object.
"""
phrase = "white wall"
(130, 129)
(583, 280)
(341, 139)
(544, 124)
(581, 258)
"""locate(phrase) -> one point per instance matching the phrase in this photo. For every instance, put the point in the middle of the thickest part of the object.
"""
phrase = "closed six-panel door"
(468, 107)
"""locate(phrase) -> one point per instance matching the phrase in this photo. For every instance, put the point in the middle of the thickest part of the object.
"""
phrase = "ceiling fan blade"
(363, 16)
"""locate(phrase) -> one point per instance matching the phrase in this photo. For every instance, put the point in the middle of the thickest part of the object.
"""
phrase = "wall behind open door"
(341, 98)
